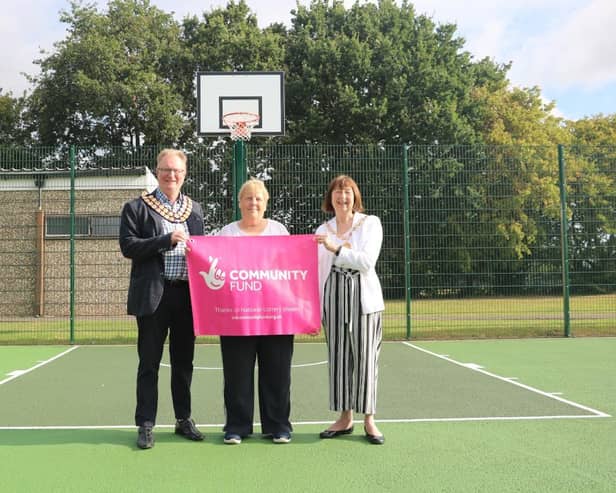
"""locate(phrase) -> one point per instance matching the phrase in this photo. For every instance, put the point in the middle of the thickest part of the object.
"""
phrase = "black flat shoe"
(335, 433)
(374, 439)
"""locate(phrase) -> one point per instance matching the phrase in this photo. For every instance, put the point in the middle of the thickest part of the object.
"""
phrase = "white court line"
(596, 414)
(94, 427)
(305, 365)
(308, 423)
(19, 373)
(511, 380)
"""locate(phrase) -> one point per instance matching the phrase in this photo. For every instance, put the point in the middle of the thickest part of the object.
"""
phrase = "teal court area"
(94, 386)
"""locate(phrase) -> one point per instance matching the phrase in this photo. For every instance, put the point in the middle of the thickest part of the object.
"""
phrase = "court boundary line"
(309, 423)
(476, 368)
(19, 373)
(469, 366)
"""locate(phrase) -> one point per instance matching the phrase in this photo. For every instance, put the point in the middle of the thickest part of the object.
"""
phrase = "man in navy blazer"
(154, 229)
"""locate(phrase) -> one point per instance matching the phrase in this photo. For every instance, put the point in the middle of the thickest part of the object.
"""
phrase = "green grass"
(477, 318)
(506, 305)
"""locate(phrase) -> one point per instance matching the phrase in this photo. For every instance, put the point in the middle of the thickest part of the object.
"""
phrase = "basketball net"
(240, 124)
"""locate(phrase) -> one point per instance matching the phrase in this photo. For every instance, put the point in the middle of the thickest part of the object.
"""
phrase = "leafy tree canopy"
(108, 82)
(12, 129)
(598, 130)
(374, 72)
(379, 72)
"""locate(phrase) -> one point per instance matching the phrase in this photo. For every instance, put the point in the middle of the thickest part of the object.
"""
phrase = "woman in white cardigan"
(352, 306)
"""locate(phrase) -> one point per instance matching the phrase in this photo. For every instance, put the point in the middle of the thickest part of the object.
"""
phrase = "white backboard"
(219, 93)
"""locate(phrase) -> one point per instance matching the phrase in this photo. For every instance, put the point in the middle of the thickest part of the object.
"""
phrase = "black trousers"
(173, 317)
(274, 354)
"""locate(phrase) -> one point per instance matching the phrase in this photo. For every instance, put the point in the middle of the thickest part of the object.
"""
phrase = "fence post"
(239, 173)
(72, 249)
(407, 237)
(564, 238)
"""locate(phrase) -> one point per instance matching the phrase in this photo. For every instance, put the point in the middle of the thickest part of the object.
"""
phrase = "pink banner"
(254, 285)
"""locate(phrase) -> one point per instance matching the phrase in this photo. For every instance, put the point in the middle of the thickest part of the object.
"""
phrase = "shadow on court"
(119, 438)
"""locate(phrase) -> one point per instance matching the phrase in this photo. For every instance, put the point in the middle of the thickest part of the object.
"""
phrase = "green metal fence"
(478, 241)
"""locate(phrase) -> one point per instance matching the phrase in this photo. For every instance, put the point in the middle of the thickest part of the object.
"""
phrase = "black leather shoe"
(145, 436)
(374, 439)
(335, 433)
(187, 429)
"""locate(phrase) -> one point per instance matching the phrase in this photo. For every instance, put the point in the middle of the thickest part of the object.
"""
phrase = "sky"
(565, 47)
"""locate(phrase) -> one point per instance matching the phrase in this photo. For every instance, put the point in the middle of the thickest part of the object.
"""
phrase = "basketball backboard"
(220, 93)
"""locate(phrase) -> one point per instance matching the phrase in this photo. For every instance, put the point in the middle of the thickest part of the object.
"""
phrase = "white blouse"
(273, 228)
(365, 240)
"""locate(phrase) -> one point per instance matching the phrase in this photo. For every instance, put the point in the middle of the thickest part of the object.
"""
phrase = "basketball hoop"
(241, 124)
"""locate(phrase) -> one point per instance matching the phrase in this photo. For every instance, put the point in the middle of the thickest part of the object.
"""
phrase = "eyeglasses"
(168, 171)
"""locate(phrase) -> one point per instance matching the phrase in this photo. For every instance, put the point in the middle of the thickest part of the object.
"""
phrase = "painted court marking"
(470, 366)
(513, 381)
(18, 373)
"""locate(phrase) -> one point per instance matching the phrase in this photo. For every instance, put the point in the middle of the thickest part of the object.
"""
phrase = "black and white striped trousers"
(353, 342)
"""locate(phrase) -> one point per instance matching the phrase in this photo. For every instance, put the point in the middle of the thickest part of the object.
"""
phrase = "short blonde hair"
(171, 152)
(253, 184)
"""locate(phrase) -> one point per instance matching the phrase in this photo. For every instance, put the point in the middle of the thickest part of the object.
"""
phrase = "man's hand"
(178, 236)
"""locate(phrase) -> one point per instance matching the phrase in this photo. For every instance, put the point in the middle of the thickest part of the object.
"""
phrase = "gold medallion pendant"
(346, 236)
(173, 217)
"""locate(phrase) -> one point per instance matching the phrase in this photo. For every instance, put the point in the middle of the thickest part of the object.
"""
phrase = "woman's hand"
(315, 332)
(324, 240)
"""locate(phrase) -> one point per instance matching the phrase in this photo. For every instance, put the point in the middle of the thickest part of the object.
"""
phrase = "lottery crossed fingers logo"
(215, 277)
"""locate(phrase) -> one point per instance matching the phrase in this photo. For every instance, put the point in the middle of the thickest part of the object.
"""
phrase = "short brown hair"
(342, 181)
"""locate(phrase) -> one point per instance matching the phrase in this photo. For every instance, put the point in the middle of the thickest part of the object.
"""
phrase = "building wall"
(101, 272)
(18, 256)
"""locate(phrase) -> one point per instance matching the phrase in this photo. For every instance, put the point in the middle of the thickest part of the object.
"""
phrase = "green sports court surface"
(513, 415)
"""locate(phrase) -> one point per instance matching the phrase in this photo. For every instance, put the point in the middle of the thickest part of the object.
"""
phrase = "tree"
(13, 130)
(16, 151)
(380, 73)
(109, 81)
(519, 119)
(591, 189)
(598, 130)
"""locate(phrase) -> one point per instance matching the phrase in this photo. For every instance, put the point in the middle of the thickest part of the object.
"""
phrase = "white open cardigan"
(366, 243)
